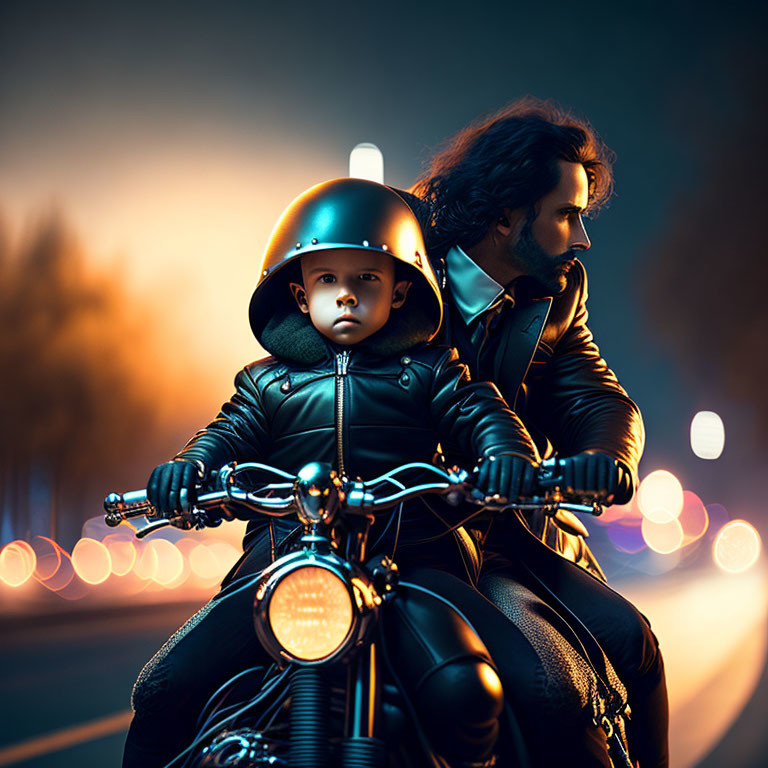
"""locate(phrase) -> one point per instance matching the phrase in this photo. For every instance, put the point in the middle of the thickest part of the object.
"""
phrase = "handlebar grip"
(119, 507)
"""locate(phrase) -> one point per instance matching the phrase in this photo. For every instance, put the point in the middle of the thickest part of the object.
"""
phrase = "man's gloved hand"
(594, 472)
(506, 476)
(166, 483)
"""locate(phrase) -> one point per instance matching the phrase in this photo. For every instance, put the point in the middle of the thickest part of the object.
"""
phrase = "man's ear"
(399, 293)
(510, 222)
(300, 294)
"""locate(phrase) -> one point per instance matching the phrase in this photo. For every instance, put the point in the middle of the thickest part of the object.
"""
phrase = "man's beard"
(535, 262)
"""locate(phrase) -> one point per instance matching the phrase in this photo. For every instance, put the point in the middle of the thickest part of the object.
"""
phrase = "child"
(346, 303)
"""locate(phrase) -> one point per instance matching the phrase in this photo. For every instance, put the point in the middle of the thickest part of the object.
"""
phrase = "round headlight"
(310, 612)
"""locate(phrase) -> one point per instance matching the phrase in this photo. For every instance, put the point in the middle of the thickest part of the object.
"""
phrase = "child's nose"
(345, 297)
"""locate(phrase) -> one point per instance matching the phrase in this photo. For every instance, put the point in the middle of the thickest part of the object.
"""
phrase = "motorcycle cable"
(220, 710)
(188, 753)
(205, 715)
(212, 730)
(449, 529)
(396, 513)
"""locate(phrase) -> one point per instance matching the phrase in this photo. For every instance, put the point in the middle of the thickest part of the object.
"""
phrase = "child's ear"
(399, 293)
(301, 297)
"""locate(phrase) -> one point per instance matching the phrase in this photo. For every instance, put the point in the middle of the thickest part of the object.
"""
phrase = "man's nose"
(345, 297)
(579, 238)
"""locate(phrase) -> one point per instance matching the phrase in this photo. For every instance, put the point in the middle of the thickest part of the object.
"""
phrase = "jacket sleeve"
(576, 399)
(472, 419)
(238, 433)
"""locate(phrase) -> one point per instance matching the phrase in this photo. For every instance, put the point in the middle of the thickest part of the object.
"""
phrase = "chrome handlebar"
(208, 510)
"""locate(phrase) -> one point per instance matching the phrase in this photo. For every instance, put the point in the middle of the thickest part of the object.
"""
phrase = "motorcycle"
(317, 610)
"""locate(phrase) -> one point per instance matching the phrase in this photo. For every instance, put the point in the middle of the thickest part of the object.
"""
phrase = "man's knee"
(635, 650)
(151, 689)
(461, 702)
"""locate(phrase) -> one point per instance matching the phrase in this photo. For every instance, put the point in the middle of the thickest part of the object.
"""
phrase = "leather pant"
(621, 630)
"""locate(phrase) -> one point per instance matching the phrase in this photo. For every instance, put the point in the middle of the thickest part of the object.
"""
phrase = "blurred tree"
(76, 405)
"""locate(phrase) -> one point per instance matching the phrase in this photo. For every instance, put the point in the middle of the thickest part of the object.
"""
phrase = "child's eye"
(327, 278)
(368, 276)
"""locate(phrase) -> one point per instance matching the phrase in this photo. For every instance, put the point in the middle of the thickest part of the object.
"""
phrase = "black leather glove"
(508, 476)
(594, 472)
(166, 483)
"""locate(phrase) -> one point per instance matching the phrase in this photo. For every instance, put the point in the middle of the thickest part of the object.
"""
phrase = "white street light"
(366, 162)
(707, 435)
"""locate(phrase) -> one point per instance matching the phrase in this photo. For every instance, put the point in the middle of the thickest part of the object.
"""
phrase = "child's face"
(348, 293)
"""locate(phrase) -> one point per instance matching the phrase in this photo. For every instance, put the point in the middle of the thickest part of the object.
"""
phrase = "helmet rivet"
(384, 247)
(265, 272)
(298, 245)
(365, 243)
(314, 241)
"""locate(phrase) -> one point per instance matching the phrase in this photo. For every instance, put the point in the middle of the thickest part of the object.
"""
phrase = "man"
(505, 203)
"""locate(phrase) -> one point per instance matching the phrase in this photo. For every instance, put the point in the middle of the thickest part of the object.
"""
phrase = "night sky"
(171, 135)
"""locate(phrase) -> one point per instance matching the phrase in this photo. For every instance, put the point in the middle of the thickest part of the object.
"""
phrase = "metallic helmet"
(345, 213)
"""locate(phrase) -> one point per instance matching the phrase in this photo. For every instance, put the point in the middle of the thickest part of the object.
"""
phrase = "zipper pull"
(342, 363)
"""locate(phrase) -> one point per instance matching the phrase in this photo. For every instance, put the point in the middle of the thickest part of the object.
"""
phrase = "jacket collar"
(473, 290)
(471, 293)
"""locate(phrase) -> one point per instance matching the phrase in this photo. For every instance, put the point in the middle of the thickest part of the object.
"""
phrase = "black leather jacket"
(544, 360)
(363, 413)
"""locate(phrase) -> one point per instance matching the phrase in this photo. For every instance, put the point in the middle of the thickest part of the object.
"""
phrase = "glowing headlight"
(310, 612)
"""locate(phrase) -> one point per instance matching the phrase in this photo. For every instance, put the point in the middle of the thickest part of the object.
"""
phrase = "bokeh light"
(170, 562)
(48, 554)
(663, 538)
(694, 518)
(226, 555)
(17, 563)
(146, 563)
(660, 497)
(203, 563)
(707, 435)
(737, 546)
(122, 554)
(63, 576)
(91, 561)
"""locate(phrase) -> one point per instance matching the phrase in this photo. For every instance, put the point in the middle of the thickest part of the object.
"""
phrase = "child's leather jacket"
(362, 413)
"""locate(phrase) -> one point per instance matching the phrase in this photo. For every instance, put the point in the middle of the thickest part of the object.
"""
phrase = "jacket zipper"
(342, 364)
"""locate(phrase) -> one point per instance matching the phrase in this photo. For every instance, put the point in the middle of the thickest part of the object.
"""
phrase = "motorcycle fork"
(362, 746)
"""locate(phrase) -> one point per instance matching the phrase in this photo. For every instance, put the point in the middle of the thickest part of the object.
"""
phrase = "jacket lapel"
(519, 335)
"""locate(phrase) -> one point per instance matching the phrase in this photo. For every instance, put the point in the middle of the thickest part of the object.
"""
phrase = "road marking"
(66, 737)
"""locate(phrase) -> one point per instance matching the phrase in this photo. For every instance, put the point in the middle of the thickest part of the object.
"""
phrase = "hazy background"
(146, 149)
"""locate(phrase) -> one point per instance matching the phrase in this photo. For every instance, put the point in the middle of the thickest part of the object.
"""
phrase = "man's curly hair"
(508, 160)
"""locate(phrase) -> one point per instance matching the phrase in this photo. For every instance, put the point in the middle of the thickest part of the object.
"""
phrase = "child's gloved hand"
(166, 483)
(507, 477)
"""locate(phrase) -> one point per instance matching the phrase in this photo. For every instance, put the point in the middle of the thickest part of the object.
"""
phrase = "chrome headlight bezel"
(363, 599)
